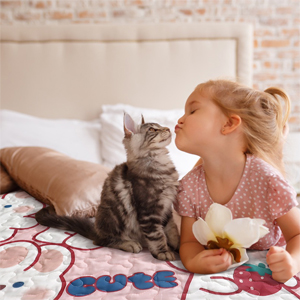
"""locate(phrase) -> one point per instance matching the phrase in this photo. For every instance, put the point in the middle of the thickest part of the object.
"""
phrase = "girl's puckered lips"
(177, 128)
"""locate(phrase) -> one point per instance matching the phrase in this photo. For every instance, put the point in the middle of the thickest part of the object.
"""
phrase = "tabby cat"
(136, 200)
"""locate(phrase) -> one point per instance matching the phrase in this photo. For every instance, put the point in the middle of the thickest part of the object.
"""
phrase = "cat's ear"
(143, 121)
(129, 125)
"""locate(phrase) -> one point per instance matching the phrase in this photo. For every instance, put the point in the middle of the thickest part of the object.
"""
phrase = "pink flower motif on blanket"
(12, 256)
(22, 195)
(23, 209)
(49, 261)
(37, 293)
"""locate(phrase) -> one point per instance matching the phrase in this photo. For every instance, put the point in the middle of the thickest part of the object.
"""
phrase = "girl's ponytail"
(282, 123)
(282, 118)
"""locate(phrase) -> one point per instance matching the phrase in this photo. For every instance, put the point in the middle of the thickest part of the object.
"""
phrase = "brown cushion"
(73, 187)
(7, 184)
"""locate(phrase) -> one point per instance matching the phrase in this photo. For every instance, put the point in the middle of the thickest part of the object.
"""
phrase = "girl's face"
(199, 130)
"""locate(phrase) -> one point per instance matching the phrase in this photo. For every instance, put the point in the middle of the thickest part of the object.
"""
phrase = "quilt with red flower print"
(38, 262)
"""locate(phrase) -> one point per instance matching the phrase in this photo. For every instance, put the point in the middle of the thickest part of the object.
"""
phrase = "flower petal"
(263, 230)
(217, 217)
(244, 258)
(202, 232)
(244, 232)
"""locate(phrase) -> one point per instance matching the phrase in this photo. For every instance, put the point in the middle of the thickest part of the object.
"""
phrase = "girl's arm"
(195, 257)
(284, 264)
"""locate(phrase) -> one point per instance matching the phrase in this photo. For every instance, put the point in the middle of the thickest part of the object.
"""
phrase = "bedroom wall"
(276, 28)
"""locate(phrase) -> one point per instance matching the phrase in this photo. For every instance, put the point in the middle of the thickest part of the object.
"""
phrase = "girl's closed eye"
(193, 108)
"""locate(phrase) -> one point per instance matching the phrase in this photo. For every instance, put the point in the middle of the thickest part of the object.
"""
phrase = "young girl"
(238, 132)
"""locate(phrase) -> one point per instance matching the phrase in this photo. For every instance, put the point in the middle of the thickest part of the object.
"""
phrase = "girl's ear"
(233, 122)
(129, 126)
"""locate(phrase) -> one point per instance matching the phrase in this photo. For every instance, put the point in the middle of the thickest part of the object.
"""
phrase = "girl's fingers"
(277, 267)
(216, 260)
(212, 252)
(274, 255)
(224, 261)
(278, 258)
(275, 249)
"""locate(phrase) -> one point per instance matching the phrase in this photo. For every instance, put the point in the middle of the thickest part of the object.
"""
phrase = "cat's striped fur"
(136, 200)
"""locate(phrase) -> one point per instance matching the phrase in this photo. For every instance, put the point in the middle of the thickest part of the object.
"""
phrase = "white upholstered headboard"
(69, 71)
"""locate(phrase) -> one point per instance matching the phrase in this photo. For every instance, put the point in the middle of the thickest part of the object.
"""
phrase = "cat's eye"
(152, 129)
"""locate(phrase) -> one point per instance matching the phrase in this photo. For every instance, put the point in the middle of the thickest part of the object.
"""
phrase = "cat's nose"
(167, 129)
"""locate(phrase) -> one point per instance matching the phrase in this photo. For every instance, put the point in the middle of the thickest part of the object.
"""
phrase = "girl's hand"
(213, 261)
(195, 257)
(281, 263)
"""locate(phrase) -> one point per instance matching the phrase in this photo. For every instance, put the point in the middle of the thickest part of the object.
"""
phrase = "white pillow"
(112, 134)
(75, 138)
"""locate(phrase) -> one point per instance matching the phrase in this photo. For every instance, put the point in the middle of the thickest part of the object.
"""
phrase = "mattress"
(38, 262)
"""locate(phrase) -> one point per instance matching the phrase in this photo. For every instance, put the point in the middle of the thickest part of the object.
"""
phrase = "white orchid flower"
(219, 230)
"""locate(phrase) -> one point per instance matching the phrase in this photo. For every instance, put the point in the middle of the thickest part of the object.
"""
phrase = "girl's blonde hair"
(264, 118)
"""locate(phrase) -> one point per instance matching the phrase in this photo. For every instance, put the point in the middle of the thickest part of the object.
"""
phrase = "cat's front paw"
(131, 246)
(174, 243)
(166, 256)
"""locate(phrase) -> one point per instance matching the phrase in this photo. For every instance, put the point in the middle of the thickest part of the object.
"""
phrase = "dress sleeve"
(184, 204)
(281, 196)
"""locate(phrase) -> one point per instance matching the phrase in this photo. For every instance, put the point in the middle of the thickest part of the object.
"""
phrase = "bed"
(65, 88)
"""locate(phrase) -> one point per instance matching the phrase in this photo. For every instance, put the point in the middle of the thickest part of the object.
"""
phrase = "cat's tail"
(85, 227)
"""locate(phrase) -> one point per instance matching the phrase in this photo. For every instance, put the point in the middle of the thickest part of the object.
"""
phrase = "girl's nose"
(180, 120)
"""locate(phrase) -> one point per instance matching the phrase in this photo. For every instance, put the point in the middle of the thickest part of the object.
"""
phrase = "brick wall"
(276, 28)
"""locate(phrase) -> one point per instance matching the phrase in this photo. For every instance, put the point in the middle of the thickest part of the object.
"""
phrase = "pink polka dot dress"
(262, 193)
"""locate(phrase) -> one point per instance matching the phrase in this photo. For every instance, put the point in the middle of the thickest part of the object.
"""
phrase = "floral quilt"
(38, 262)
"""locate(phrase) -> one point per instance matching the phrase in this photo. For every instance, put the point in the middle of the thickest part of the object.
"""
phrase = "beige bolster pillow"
(73, 187)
